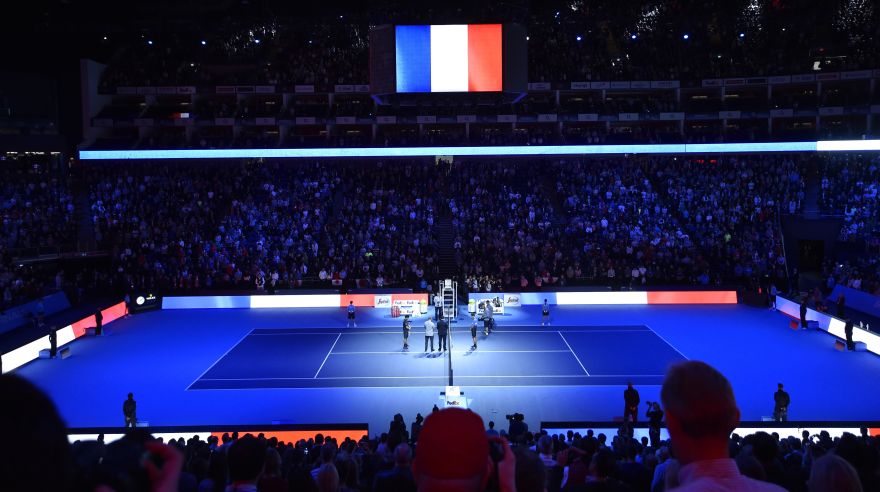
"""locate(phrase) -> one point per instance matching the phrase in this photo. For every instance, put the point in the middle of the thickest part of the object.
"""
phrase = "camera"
(515, 416)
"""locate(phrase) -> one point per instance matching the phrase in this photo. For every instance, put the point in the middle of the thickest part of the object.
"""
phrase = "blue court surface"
(240, 366)
(532, 356)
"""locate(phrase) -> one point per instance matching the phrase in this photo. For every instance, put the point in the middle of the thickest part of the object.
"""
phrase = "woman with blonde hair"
(831, 473)
(328, 478)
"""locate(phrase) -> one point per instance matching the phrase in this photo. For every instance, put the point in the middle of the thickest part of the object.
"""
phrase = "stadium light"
(686, 36)
(742, 35)
(204, 42)
(578, 38)
(105, 38)
(257, 41)
(632, 36)
(150, 42)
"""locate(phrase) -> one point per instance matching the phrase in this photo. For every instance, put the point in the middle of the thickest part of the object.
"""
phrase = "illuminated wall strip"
(287, 301)
(693, 297)
(508, 150)
(31, 351)
(830, 324)
(586, 298)
(516, 299)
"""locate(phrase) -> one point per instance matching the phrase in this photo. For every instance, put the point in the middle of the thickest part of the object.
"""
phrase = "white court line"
(328, 355)
(433, 387)
(462, 332)
(572, 353)
(442, 377)
(667, 343)
(218, 360)
(417, 352)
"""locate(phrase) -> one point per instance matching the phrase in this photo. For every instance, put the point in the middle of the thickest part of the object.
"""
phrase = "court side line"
(219, 359)
(572, 353)
(328, 355)
(464, 332)
(417, 352)
(667, 343)
(349, 388)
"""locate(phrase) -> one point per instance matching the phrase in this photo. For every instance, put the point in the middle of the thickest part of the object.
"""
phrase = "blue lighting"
(509, 150)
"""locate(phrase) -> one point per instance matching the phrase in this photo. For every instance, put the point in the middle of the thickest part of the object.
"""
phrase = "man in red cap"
(453, 455)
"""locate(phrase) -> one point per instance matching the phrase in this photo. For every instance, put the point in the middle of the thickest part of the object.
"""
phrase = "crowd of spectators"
(36, 217)
(624, 222)
(451, 449)
(567, 41)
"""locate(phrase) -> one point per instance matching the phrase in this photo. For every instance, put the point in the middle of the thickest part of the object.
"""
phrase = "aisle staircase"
(444, 233)
(85, 228)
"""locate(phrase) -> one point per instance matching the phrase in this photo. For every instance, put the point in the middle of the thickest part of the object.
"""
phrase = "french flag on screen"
(449, 58)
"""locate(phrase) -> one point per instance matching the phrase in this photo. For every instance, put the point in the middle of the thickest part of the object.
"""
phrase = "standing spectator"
(831, 473)
(841, 306)
(41, 458)
(246, 459)
(631, 403)
(416, 428)
(491, 431)
(781, 400)
(655, 421)
(701, 412)
(129, 411)
(328, 453)
(399, 478)
(429, 333)
(327, 478)
(453, 455)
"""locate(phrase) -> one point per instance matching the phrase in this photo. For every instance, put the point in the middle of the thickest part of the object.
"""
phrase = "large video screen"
(448, 58)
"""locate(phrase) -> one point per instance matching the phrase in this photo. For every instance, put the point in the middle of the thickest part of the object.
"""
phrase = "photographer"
(655, 421)
(517, 428)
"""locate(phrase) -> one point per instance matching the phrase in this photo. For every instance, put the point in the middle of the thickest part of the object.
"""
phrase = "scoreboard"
(448, 58)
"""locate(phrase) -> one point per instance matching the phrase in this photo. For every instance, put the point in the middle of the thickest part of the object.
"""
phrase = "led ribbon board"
(504, 150)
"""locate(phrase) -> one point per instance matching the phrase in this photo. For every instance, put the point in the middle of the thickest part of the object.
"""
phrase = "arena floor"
(239, 366)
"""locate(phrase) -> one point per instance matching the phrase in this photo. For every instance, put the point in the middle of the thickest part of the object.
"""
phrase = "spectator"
(246, 461)
(832, 473)
(453, 454)
(41, 457)
(399, 478)
(701, 412)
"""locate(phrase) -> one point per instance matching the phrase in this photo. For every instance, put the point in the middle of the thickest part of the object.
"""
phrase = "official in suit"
(442, 333)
